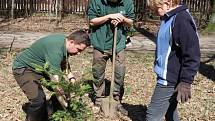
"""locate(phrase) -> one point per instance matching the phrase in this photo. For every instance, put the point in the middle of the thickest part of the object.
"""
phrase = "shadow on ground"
(136, 112)
(208, 70)
(147, 34)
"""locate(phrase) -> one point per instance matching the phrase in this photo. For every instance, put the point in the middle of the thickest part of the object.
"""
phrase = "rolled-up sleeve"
(92, 10)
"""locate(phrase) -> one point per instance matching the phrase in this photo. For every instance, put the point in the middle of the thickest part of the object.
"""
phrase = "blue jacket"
(177, 48)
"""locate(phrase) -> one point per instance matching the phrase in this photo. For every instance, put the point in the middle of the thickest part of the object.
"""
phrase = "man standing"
(104, 16)
(53, 49)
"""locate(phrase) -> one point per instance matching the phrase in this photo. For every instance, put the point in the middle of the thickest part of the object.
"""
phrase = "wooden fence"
(42, 6)
(201, 9)
(69, 6)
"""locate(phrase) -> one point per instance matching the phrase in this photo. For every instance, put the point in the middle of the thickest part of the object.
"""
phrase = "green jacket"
(51, 49)
(102, 35)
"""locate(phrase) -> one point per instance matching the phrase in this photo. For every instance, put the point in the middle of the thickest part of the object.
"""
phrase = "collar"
(173, 12)
(106, 2)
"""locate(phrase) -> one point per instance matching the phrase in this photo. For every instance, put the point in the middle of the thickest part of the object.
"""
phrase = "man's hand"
(114, 22)
(71, 77)
(184, 92)
(59, 91)
(117, 17)
(61, 97)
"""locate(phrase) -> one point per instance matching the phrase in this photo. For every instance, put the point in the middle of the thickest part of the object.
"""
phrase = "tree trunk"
(213, 12)
(56, 9)
(61, 9)
(12, 8)
(26, 8)
(50, 9)
(211, 25)
(31, 9)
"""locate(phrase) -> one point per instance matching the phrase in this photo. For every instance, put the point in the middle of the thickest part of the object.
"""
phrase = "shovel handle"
(113, 64)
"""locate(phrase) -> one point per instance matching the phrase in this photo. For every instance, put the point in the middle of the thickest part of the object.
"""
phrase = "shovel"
(109, 104)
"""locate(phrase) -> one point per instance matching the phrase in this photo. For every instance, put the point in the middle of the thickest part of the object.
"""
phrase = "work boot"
(96, 109)
(49, 108)
(120, 108)
(38, 115)
(97, 105)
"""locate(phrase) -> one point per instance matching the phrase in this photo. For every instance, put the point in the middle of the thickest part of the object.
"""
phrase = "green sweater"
(102, 35)
(49, 49)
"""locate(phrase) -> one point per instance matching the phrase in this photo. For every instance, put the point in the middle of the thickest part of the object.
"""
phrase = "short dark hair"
(80, 36)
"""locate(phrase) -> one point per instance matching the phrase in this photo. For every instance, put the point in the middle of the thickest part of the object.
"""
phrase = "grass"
(210, 28)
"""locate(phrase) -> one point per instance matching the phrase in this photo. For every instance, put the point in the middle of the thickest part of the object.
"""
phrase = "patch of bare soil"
(139, 84)
(43, 23)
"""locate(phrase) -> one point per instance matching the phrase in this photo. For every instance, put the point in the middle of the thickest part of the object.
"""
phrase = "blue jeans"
(163, 103)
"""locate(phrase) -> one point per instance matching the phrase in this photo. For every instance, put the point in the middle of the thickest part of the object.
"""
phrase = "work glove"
(184, 92)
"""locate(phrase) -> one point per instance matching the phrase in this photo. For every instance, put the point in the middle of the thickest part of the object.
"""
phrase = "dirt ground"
(139, 79)
(42, 23)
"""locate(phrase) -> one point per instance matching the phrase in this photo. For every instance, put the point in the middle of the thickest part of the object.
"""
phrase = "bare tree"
(32, 6)
(213, 11)
(26, 8)
(211, 17)
(12, 8)
(50, 9)
(56, 6)
(56, 9)
(61, 9)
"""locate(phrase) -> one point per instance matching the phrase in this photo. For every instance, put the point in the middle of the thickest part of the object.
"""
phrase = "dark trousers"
(99, 65)
(28, 81)
(163, 103)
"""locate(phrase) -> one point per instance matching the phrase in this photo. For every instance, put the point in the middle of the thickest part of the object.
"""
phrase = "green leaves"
(77, 109)
(38, 68)
(48, 83)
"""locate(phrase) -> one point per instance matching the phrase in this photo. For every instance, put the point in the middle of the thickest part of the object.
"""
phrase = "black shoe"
(37, 115)
(25, 107)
